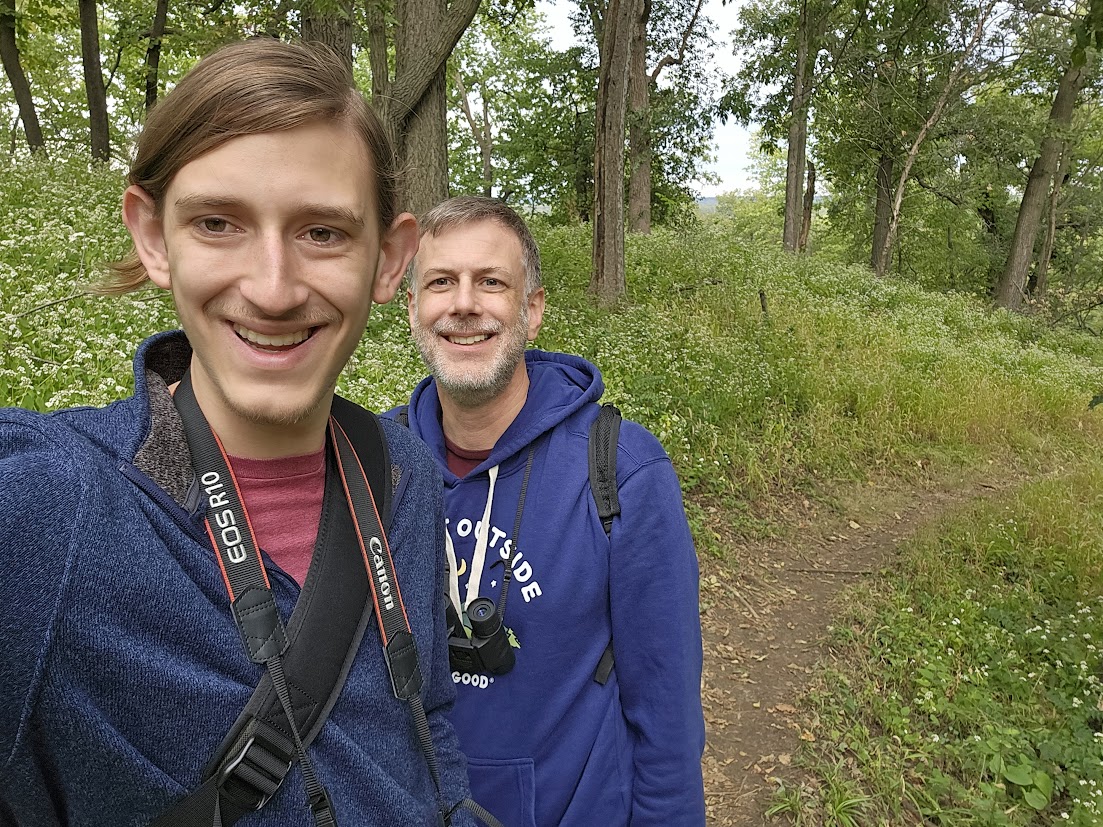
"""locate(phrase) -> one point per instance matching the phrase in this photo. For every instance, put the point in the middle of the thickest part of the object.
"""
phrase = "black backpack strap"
(605, 665)
(255, 756)
(604, 433)
(402, 416)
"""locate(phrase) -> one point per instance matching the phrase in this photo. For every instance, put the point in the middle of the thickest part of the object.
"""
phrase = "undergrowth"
(762, 374)
(968, 690)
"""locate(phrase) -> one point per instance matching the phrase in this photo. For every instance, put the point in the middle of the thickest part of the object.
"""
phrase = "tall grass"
(842, 376)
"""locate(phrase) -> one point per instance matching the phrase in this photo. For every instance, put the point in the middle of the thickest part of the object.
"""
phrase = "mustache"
(445, 328)
(299, 317)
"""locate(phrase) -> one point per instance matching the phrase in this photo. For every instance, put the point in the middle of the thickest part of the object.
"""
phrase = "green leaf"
(1043, 783)
(1035, 799)
(1021, 775)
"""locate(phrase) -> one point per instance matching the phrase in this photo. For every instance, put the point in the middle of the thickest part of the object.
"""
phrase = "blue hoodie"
(121, 669)
(546, 743)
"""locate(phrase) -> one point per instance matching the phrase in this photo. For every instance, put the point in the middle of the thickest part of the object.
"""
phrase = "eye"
(214, 224)
(322, 235)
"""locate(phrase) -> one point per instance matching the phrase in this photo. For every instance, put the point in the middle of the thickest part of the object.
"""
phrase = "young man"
(556, 739)
(262, 197)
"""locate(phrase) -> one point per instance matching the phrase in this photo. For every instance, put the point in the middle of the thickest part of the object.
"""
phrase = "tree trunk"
(329, 22)
(93, 79)
(639, 126)
(1010, 291)
(376, 23)
(809, 203)
(640, 85)
(427, 148)
(798, 137)
(1039, 284)
(153, 52)
(13, 68)
(487, 148)
(607, 278)
(882, 213)
(583, 173)
(412, 104)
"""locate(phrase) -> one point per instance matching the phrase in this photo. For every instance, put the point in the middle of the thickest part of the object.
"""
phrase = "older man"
(576, 644)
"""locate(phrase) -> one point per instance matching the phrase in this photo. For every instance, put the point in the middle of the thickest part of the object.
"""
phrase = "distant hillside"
(707, 205)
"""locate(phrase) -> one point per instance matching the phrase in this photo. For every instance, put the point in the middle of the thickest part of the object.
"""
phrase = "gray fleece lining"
(164, 456)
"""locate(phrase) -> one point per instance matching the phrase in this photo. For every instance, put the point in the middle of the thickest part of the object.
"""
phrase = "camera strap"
(478, 560)
(257, 754)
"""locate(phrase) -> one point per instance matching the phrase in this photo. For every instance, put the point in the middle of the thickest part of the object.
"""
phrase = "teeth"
(467, 340)
(271, 341)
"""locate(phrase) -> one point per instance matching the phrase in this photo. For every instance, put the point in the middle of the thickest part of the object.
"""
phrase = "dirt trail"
(765, 628)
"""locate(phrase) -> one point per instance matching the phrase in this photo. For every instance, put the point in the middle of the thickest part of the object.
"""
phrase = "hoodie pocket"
(506, 787)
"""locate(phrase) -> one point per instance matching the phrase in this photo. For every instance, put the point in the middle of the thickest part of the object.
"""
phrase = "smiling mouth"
(274, 344)
(468, 340)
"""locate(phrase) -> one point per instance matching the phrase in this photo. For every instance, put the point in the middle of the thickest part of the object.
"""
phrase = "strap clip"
(251, 774)
(322, 810)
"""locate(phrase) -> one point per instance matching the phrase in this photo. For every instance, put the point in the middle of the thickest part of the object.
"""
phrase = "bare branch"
(44, 305)
(669, 60)
(461, 90)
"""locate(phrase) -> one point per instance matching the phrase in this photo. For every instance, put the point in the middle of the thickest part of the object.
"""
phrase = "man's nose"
(273, 283)
(465, 298)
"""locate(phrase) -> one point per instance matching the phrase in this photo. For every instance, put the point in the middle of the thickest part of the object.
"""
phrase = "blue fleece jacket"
(121, 669)
(547, 744)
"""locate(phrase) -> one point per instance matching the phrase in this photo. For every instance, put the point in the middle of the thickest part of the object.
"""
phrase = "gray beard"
(466, 388)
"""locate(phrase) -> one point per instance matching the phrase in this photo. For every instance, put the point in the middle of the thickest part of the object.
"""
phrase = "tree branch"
(668, 60)
(937, 192)
(409, 89)
(465, 104)
(951, 86)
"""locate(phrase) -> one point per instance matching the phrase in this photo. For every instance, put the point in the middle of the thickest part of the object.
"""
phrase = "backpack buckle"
(252, 773)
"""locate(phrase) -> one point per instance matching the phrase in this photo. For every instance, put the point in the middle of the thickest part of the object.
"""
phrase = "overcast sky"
(732, 141)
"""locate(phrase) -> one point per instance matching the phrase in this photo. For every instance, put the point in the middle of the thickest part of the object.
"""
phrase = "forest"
(956, 143)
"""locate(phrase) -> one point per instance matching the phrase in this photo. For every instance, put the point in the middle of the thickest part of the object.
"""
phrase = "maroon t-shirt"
(284, 499)
(461, 462)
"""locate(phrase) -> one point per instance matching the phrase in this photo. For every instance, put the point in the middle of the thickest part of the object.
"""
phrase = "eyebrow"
(323, 212)
(452, 271)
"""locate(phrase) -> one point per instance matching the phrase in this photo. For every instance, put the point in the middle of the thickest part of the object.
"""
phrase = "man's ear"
(396, 248)
(147, 233)
(536, 313)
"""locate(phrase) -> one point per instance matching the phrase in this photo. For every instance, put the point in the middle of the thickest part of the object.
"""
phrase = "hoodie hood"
(559, 385)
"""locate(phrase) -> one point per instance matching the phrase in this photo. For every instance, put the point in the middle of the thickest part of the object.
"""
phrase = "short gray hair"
(471, 209)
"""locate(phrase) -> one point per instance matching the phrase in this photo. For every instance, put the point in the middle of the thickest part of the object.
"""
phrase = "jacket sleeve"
(440, 693)
(40, 505)
(657, 641)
